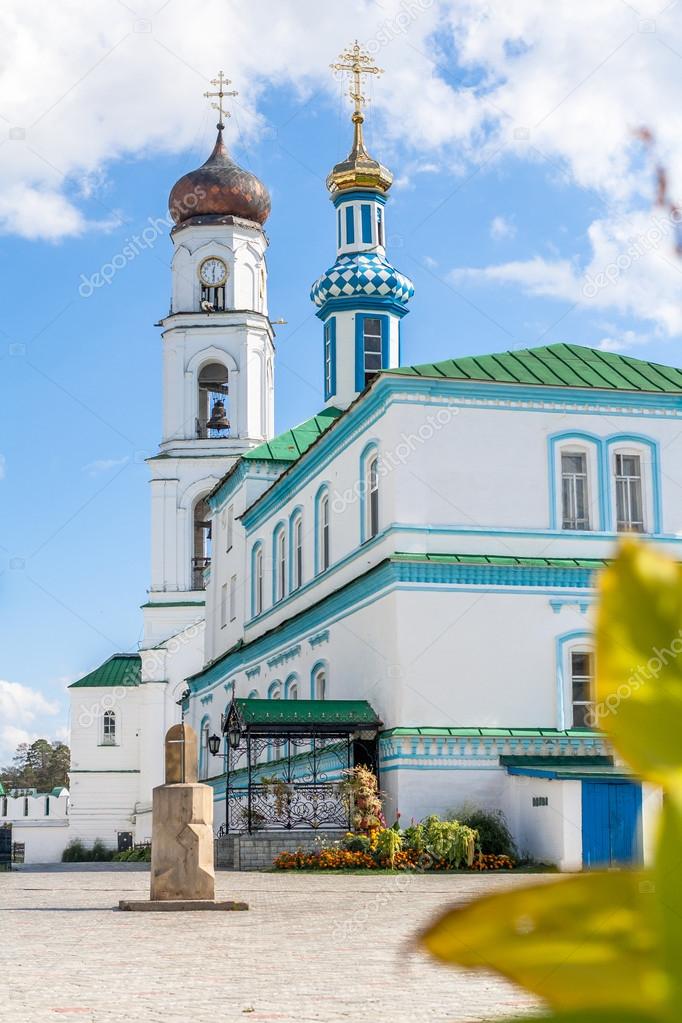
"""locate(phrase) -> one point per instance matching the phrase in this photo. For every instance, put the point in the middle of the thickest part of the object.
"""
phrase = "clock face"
(213, 272)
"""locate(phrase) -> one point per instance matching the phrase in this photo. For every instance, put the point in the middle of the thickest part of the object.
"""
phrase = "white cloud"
(632, 269)
(24, 716)
(502, 228)
(102, 465)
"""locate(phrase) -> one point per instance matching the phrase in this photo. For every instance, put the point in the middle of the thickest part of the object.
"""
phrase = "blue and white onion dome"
(365, 274)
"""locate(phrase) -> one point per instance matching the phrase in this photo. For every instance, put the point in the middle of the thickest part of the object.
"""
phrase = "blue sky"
(495, 228)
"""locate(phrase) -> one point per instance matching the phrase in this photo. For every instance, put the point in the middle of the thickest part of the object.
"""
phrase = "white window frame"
(579, 649)
(280, 565)
(109, 736)
(571, 519)
(593, 469)
(223, 605)
(229, 529)
(258, 581)
(369, 373)
(372, 496)
(323, 533)
(320, 676)
(233, 598)
(642, 454)
(297, 553)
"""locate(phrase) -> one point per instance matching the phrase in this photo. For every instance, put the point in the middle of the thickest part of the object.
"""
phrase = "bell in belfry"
(218, 420)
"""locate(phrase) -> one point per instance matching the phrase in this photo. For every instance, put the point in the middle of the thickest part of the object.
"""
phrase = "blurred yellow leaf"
(591, 1016)
(639, 661)
(586, 941)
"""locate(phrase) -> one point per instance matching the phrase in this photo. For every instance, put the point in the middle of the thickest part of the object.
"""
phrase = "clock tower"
(218, 371)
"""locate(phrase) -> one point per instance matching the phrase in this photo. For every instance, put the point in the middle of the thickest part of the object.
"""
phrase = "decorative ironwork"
(290, 777)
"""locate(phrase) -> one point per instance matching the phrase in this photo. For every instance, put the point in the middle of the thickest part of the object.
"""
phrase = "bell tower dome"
(362, 298)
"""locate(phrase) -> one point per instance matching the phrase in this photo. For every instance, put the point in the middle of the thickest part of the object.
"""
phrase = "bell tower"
(218, 370)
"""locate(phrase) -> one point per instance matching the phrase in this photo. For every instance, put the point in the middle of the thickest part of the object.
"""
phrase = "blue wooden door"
(611, 823)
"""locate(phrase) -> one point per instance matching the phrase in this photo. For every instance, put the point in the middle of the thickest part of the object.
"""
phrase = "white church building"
(413, 566)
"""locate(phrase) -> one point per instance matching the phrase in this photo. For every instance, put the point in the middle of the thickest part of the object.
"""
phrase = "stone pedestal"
(182, 844)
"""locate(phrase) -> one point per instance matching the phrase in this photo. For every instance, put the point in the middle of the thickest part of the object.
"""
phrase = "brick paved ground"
(312, 947)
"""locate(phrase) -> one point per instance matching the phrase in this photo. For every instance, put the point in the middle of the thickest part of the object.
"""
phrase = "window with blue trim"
(372, 496)
(350, 225)
(280, 560)
(366, 217)
(582, 687)
(340, 242)
(574, 502)
(297, 552)
(629, 502)
(371, 348)
(380, 226)
(257, 580)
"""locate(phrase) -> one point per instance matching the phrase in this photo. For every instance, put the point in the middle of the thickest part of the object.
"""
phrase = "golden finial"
(357, 63)
(358, 170)
(220, 82)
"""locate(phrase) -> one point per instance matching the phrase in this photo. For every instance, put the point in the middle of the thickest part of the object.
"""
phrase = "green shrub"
(494, 835)
(452, 841)
(356, 843)
(75, 852)
(99, 852)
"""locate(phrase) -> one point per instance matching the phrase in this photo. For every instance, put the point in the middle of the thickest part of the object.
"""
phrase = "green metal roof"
(559, 365)
(119, 670)
(291, 444)
(304, 712)
(502, 560)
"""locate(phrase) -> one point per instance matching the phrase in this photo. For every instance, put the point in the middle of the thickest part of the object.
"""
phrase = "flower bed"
(343, 859)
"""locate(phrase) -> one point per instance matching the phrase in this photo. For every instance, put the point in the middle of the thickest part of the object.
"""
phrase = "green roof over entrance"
(291, 444)
(119, 670)
(306, 712)
(557, 365)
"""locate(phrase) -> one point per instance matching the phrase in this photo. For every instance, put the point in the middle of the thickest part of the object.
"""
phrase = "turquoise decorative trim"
(388, 576)
(366, 221)
(321, 637)
(610, 445)
(558, 603)
(329, 351)
(251, 672)
(560, 645)
(253, 694)
(365, 302)
(274, 688)
(287, 655)
(559, 440)
(355, 195)
(315, 670)
(207, 699)
(292, 680)
(350, 225)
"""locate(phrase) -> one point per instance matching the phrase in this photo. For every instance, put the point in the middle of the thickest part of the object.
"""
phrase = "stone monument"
(182, 875)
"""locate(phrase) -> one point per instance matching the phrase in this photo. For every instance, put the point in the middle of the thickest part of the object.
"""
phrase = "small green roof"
(486, 733)
(291, 444)
(119, 670)
(306, 712)
(502, 560)
(559, 365)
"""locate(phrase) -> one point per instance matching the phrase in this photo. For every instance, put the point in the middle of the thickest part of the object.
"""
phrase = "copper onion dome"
(219, 188)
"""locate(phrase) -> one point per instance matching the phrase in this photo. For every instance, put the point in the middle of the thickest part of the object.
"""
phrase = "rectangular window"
(258, 582)
(574, 491)
(371, 347)
(233, 598)
(380, 225)
(366, 214)
(25, 806)
(47, 806)
(373, 498)
(340, 242)
(629, 508)
(223, 605)
(229, 537)
(350, 225)
(281, 566)
(582, 687)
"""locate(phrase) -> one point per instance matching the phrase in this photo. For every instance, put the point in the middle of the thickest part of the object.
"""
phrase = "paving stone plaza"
(312, 947)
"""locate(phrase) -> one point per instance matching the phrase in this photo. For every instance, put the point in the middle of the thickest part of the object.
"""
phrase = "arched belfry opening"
(213, 404)
(201, 551)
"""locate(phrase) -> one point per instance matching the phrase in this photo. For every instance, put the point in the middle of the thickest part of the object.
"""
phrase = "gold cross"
(219, 83)
(357, 63)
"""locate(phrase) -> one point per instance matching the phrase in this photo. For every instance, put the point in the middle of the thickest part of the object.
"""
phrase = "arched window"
(201, 556)
(275, 690)
(109, 728)
(291, 688)
(296, 550)
(369, 493)
(318, 682)
(322, 537)
(279, 559)
(212, 406)
(574, 490)
(257, 580)
(253, 695)
(627, 469)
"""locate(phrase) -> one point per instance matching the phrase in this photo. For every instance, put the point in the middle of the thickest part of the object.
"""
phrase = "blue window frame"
(350, 225)
(371, 347)
(257, 579)
(330, 358)
(366, 216)
(340, 242)
(322, 530)
(380, 226)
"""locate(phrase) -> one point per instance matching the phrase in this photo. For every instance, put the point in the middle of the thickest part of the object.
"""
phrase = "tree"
(41, 765)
